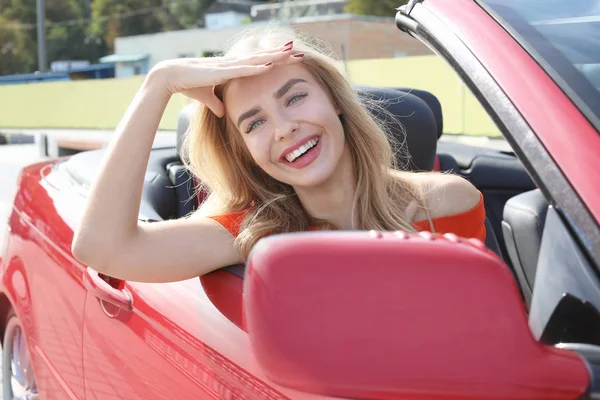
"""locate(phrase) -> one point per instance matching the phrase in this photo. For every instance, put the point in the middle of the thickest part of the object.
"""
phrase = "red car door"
(172, 344)
(45, 284)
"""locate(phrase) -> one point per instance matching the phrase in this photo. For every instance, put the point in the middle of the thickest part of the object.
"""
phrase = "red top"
(468, 224)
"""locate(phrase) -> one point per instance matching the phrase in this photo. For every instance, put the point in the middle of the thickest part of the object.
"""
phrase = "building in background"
(351, 36)
(297, 9)
(128, 64)
(228, 13)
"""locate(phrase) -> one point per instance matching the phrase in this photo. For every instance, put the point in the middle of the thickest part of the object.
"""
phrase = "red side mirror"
(388, 316)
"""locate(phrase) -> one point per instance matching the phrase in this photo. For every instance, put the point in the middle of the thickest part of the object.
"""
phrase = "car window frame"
(562, 72)
(425, 25)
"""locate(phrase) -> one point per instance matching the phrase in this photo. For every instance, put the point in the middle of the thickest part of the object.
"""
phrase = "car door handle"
(102, 290)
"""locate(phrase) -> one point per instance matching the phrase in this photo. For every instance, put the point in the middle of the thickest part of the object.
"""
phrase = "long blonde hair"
(215, 153)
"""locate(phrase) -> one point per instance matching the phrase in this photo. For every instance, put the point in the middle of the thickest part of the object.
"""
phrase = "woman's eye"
(254, 124)
(295, 98)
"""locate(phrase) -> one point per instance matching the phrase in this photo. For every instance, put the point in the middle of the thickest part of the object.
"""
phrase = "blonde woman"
(282, 143)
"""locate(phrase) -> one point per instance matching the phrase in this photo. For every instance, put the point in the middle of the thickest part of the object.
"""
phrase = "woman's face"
(289, 124)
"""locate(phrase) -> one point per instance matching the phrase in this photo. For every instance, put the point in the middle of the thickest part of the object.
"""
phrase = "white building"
(351, 36)
(161, 46)
(228, 13)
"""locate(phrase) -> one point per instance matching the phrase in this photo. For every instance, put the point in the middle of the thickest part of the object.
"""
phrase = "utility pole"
(41, 35)
(88, 7)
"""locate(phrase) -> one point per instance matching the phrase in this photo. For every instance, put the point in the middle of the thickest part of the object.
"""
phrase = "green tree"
(64, 41)
(73, 34)
(114, 18)
(189, 14)
(15, 49)
(66, 34)
(17, 40)
(384, 8)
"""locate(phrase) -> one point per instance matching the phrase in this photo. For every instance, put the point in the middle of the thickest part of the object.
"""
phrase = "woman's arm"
(109, 238)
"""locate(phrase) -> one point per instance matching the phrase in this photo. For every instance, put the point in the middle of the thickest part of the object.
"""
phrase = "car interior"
(515, 208)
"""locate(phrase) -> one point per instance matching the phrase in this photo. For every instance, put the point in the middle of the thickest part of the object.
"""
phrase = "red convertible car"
(360, 315)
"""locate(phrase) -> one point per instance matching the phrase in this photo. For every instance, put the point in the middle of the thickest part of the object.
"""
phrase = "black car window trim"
(562, 71)
(434, 33)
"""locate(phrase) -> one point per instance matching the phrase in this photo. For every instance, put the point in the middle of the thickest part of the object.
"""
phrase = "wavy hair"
(215, 153)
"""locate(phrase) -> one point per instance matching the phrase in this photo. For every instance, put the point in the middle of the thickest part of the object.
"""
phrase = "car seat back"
(523, 224)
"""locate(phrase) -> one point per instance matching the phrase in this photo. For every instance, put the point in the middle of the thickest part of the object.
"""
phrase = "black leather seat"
(184, 188)
(434, 105)
(179, 175)
(522, 227)
(418, 129)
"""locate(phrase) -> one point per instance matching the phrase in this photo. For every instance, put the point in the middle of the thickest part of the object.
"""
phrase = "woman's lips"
(296, 146)
(307, 158)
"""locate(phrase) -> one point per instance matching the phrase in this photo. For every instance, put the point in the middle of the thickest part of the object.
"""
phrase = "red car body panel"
(39, 262)
(569, 137)
(173, 344)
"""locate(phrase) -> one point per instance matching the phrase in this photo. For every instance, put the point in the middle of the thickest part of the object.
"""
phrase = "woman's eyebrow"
(250, 113)
(278, 94)
(288, 85)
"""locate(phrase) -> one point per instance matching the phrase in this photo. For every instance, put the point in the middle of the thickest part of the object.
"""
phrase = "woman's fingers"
(254, 65)
(206, 96)
(265, 52)
(203, 74)
(215, 105)
(240, 71)
(263, 58)
(243, 71)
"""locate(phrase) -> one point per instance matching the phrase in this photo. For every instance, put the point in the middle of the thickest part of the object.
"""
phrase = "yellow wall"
(89, 104)
(462, 112)
(100, 104)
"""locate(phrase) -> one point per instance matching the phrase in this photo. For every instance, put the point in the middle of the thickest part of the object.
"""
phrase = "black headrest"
(408, 106)
(186, 115)
(433, 103)
(418, 132)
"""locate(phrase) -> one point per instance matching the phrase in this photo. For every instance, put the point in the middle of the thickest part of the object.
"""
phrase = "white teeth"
(301, 150)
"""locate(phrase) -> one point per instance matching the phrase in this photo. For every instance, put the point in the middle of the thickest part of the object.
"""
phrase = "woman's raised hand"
(196, 77)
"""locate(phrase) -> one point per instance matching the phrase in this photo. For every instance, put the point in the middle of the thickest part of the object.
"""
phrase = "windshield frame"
(572, 82)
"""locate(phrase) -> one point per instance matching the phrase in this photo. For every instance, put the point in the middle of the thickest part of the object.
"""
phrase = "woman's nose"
(285, 128)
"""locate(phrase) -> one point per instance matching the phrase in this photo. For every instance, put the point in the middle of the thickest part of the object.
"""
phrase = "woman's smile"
(304, 155)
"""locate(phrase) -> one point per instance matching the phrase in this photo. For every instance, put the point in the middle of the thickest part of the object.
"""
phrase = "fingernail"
(269, 64)
(286, 50)
(299, 55)
(288, 43)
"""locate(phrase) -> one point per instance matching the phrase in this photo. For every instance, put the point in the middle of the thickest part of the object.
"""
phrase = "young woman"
(282, 143)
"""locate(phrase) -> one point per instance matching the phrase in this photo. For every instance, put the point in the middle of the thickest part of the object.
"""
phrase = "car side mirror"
(392, 315)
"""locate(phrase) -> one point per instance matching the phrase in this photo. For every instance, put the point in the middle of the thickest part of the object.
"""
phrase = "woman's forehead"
(247, 90)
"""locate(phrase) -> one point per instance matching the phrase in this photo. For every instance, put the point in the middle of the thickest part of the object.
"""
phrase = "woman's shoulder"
(444, 195)
(447, 194)
(230, 220)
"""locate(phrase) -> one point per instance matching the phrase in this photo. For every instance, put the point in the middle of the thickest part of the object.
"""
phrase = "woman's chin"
(316, 174)
(310, 179)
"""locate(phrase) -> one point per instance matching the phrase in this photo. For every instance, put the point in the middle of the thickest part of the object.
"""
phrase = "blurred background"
(69, 68)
